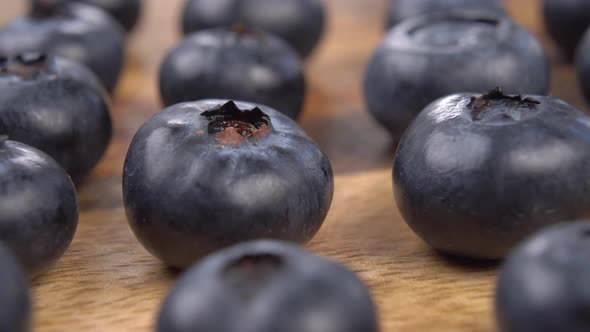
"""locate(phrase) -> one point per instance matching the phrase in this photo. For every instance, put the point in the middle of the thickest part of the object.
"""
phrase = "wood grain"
(107, 282)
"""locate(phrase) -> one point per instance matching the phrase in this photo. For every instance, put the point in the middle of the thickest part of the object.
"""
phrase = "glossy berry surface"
(57, 106)
(268, 286)
(126, 12)
(234, 64)
(474, 175)
(567, 21)
(38, 209)
(543, 285)
(426, 58)
(298, 22)
(74, 31)
(400, 10)
(15, 302)
(205, 175)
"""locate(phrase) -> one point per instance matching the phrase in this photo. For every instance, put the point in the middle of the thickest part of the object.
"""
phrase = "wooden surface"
(107, 282)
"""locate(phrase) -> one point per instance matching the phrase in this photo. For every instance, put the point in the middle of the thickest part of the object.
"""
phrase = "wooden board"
(107, 282)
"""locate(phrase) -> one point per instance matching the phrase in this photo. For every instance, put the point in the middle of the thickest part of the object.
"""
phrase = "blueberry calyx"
(486, 106)
(231, 125)
(45, 8)
(25, 65)
(250, 273)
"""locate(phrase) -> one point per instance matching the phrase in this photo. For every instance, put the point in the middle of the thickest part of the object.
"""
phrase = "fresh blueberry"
(474, 175)
(15, 302)
(299, 22)
(400, 10)
(566, 21)
(268, 286)
(75, 31)
(583, 65)
(205, 175)
(234, 64)
(543, 285)
(126, 12)
(57, 106)
(38, 209)
(429, 57)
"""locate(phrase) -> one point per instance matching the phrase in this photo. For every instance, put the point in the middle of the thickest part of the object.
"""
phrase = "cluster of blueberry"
(474, 174)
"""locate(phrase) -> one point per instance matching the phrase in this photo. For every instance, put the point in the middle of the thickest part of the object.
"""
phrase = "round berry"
(566, 21)
(205, 175)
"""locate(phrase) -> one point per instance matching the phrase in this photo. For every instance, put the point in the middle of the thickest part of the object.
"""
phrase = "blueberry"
(57, 106)
(15, 302)
(566, 22)
(205, 175)
(234, 64)
(543, 285)
(583, 65)
(429, 57)
(38, 209)
(474, 175)
(400, 10)
(268, 286)
(299, 22)
(75, 31)
(126, 12)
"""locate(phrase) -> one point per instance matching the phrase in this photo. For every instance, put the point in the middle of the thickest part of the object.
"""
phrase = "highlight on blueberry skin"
(205, 175)
(15, 302)
(429, 57)
(126, 12)
(38, 207)
(55, 105)
(74, 31)
(300, 23)
(400, 10)
(476, 174)
(543, 285)
(268, 286)
(237, 64)
(566, 22)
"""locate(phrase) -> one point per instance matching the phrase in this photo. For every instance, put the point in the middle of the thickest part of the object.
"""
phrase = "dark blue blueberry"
(126, 12)
(474, 175)
(205, 175)
(566, 21)
(234, 64)
(75, 31)
(57, 106)
(543, 285)
(426, 58)
(15, 302)
(400, 10)
(299, 22)
(38, 209)
(268, 286)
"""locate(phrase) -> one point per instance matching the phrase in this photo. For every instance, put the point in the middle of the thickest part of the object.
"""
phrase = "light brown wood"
(107, 282)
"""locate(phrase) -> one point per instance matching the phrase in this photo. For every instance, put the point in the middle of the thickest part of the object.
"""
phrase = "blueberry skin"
(126, 12)
(583, 66)
(15, 302)
(38, 208)
(57, 106)
(298, 22)
(429, 57)
(75, 31)
(566, 21)
(474, 179)
(188, 193)
(543, 285)
(268, 286)
(243, 65)
(400, 10)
